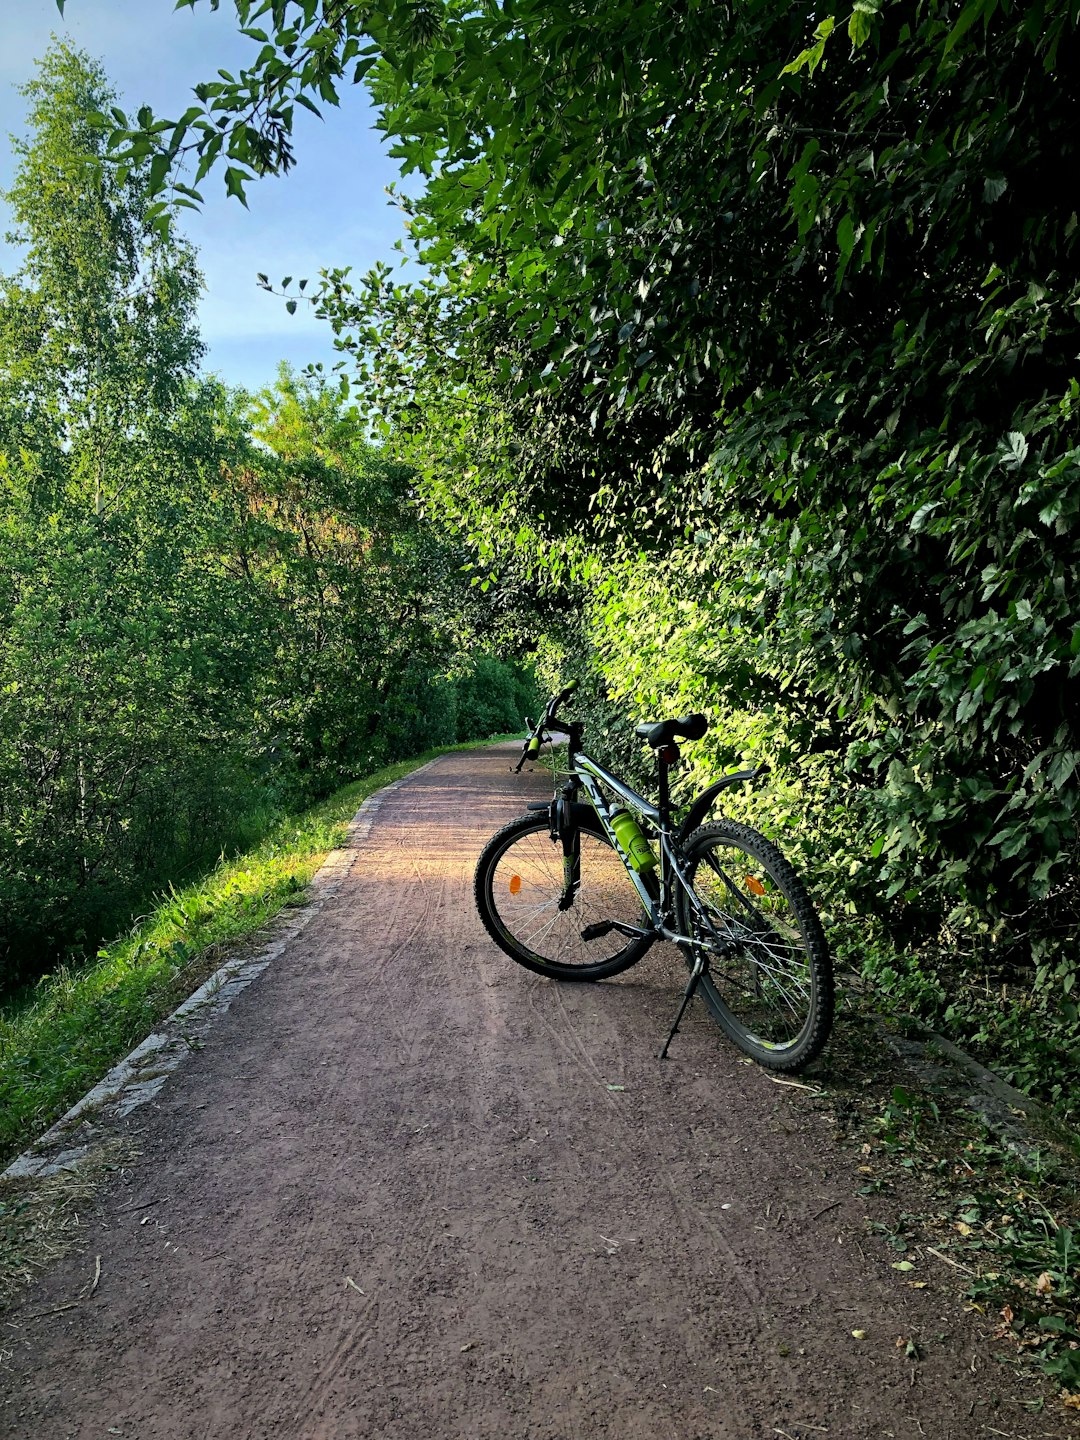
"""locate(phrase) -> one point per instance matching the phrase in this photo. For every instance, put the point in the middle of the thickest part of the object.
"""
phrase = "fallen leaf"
(918, 1284)
(902, 1265)
(616, 1087)
(963, 1229)
(469, 1345)
(1071, 1400)
(858, 1334)
(1045, 1284)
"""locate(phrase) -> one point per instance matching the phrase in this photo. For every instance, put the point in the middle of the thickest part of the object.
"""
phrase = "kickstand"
(692, 984)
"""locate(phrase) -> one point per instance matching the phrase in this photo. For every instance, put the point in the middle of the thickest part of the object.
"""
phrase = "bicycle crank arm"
(605, 927)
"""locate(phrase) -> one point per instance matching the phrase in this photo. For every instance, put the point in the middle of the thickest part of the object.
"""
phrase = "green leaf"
(235, 179)
(994, 186)
(159, 168)
(1014, 450)
(861, 24)
(812, 56)
(970, 13)
(845, 235)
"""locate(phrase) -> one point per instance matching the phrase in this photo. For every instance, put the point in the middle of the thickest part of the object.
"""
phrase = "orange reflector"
(515, 884)
(754, 885)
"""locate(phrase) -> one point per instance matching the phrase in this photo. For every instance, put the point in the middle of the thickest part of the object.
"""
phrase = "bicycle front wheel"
(768, 980)
(531, 911)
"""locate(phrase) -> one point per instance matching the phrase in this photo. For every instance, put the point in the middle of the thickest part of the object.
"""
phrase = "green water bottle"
(628, 833)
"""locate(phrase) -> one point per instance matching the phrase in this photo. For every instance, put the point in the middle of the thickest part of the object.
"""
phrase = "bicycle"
(552, 892)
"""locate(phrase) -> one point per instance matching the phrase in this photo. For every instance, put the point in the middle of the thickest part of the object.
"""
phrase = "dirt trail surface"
(409, 1190)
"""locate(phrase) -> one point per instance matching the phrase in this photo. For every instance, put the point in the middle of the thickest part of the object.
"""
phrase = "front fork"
(565, 831)
(571, 865)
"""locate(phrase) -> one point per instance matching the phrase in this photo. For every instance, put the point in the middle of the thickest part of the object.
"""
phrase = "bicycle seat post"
(666, 755)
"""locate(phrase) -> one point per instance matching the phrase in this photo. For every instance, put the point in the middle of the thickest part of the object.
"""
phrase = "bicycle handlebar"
(536, 736)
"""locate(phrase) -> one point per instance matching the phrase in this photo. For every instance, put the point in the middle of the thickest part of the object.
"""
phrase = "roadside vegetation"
(968, 1193)
(736, 371)
(216, 608)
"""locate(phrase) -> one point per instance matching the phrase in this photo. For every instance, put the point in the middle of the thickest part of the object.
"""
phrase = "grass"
(59, 1037)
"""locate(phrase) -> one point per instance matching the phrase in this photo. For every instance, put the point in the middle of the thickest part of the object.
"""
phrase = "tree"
(365, 593)
(123, 669)
(97, 329)
(212, 606)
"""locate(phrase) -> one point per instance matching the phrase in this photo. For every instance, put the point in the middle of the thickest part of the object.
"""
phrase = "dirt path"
(395, 1196)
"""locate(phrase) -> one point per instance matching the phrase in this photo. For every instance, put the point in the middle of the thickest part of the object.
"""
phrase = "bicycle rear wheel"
(521, 894)
(769, 981)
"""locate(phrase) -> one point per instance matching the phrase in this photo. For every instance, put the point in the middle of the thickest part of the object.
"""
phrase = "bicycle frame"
(588, 773)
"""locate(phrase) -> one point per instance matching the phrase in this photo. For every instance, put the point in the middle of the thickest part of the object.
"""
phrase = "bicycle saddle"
(665, 732)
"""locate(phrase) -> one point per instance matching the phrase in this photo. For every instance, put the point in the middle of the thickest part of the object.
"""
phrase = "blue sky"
(330, 210)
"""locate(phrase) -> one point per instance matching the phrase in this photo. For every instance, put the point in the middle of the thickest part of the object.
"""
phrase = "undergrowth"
(1029, 1037)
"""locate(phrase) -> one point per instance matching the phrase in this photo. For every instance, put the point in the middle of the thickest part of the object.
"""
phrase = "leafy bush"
(493, 698)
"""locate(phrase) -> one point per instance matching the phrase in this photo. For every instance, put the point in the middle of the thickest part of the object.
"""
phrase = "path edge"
(141, 1074)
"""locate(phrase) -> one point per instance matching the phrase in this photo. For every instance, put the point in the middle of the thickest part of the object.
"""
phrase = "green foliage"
(786, 308)
(492, 698)
(365, 594)
(800, 319)
(106, 789)
(108, 490)
(97, 329)
(212, 606)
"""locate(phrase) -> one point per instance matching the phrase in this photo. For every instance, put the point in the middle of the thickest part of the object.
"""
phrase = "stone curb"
(1024, 1125)
(141, 1074)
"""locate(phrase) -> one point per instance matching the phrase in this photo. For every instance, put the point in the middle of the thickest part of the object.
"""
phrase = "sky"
(330, 210)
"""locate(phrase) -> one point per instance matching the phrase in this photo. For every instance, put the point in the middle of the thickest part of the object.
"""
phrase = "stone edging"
(1024, 1125)
(142, 1073)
